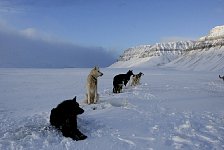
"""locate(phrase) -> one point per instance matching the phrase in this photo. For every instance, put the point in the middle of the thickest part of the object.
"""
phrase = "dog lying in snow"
(221, 77)
(121, 79)
(64, 118)
(91, 85)
(136, 79)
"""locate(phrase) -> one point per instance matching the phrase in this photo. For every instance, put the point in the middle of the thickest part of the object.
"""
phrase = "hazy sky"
(112, 25)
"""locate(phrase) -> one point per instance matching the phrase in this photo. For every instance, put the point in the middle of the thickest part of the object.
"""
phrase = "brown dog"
(136, 79)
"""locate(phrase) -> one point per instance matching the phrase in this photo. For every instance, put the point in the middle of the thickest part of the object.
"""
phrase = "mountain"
(152, 55)
(207, 53)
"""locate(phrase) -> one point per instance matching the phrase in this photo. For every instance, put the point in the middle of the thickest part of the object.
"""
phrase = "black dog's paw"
(78, 137)
(82, 137)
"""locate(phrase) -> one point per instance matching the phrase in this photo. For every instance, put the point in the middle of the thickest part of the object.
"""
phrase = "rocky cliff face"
(207, 53)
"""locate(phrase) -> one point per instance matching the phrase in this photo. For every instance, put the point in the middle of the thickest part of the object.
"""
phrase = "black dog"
(121, 79)
(221, 77)
(64, 118)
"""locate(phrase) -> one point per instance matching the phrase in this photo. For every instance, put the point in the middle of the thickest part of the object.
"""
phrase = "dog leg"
(88, 98)
(96, 96)
(120, 86)
(115, 89)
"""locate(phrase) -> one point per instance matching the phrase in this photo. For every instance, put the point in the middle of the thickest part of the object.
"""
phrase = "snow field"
(169, 110)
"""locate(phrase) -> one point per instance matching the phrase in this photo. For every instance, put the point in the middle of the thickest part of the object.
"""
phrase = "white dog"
(91, 85)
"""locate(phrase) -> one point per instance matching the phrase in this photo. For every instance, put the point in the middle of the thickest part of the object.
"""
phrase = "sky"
(107, 26)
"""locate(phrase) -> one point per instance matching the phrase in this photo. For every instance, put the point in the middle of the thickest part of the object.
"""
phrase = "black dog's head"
(79, 110)
(130, 72)
(66, 109)
(71, 107)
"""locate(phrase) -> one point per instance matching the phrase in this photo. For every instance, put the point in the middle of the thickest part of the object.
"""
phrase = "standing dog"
(136, 79)
(91, 85)
(121, 79)
(221, 77)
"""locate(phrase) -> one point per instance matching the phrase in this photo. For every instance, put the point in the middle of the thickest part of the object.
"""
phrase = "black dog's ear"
(74, 99)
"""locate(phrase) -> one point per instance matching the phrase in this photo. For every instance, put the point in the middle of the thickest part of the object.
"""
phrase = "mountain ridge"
(172, 54)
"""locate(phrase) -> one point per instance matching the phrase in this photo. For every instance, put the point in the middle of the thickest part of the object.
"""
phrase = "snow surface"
(169, 110)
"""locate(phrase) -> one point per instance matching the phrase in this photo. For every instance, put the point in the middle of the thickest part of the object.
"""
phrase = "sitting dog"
(121, 79)
(136, 79)
(64, 118)
(221, 77)
(91, 85)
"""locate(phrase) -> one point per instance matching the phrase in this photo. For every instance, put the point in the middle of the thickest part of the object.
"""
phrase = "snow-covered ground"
(169, 110)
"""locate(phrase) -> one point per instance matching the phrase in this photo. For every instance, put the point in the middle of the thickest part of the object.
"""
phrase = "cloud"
(23, 6)
(38, 3)
(10, 6)
(26, 49)
(30, 32)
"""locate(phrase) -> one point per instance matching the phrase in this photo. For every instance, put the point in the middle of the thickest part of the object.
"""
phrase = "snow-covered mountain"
(207, 53)
(216, 33)
(152, 55)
